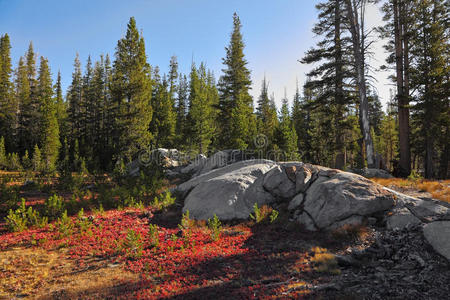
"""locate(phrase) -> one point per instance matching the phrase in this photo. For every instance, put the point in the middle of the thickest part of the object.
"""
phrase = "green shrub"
(19, 219)
(133, 244)
(54, 207)
(9, 197)
(64, 225)
(153, 235)
(256, 216)
(165, 201)
(215, 226)
(273, 215)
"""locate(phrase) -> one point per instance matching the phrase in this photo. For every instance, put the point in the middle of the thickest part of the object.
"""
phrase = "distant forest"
(117, 106)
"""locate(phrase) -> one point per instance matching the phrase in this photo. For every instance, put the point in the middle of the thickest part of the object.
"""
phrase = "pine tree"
(429, 76)
(182, 98)
(398, 29)
(8, 103)
(36, 161)
(266, 115)
(74, 96)
(131, 90)
(286, 136)
(3, 160)
(61, 111)
(333, 73)
(235, 105)
(164, 118)
(23, 95)
(201, 114)
(49, 134)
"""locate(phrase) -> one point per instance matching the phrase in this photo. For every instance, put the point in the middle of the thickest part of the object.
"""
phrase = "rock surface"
(438, 235)
(224, 191)
(319, 198)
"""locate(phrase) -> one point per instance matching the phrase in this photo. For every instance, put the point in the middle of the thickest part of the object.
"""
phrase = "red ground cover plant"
(245, 262)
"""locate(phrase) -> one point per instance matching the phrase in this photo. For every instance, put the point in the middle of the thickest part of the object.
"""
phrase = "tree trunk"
(352, 15)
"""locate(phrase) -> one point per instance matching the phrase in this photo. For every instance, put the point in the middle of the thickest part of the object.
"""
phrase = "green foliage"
(9, 197)
(236, 119)
(3, 159)
(36, 161)
(22, 217)
(131, 90)
(14, 162)
(83, 222)
(133, 244)
(64, 225)
(153, 235)
(256, 215)
(215, 226)
(164, 202)
(273, 215)
(54, 207)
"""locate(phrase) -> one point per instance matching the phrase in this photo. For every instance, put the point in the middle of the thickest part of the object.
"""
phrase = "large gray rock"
(401, 218)
(333, 199)
(426, 210)
(229, 192)
(438, 235)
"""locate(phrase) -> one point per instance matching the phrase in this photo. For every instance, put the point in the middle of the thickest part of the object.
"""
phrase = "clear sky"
(276, 34)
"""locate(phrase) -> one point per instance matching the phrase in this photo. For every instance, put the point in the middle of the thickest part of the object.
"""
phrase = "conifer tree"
(3, 160)
(333, 73)
(74, 96)
(201, 115)
(286, 136)
(131, 89)
(49, 135)
(181, 106)
(429, 76)
(8, 104)
(61, 111)
(236, 118)
(23, 94)
(36, 160)
(266, 115)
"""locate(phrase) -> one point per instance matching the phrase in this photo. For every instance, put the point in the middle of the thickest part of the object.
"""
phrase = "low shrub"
(215, 226)
(64, 225)
(54, 207)
(261, 214)
(164, 202)
(133, 244)
(19, 219)
(153, 235)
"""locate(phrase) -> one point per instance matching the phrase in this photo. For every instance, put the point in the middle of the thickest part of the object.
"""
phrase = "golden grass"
(324, 261)
(39, 273)
(438, 189)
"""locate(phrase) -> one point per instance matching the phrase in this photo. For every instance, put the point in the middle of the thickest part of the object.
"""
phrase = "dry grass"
(349, 233)
(438, 189)
(42, 274)
(324, 261)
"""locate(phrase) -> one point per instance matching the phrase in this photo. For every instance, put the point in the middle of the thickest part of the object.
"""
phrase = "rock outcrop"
(319, 198)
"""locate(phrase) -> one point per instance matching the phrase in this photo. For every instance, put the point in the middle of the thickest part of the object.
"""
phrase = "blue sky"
(276, 33)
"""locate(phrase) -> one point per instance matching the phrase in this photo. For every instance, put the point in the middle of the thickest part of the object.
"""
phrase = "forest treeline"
(115, 108)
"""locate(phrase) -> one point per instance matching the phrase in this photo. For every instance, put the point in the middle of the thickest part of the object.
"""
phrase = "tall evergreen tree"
(201, 114)
(8, 103)
(266, 115)
(237, 121)
(49, 135)
(286, 136)
(181, 107)
(334, 73)
(74, 99)
(398, 30)
(429, 76)
(61, 110)
(131, 89)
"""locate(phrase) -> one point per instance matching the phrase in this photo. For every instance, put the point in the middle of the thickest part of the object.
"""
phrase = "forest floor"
(117, 254)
